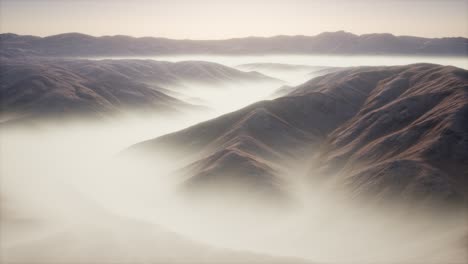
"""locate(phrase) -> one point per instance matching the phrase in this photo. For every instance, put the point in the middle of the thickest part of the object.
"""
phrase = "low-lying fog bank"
(65, 187)
(310, 60)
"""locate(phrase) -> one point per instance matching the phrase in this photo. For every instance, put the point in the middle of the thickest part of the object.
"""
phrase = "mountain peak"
(340, 33)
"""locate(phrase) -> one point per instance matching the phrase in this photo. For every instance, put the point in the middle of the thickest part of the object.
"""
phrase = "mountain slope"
(165, 73)
(42, 89)
(375, 129)
(410, 138)
(56, 87)
(75, 44)
(277, 132)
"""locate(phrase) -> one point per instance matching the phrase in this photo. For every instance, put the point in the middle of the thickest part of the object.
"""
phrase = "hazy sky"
(215, 19)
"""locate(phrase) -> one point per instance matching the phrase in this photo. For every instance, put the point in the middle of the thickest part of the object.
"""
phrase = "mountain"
(43, 87)
(396, 132)
(76, 44)
(409, 138)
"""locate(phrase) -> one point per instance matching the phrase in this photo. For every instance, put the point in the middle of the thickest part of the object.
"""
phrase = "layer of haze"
(310, 60)
(217, 19)
(67, 198)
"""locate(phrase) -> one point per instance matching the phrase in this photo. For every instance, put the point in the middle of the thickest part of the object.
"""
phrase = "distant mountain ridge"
(76, 44)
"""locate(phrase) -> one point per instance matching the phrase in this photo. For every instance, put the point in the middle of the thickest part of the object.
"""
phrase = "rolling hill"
(53, 87)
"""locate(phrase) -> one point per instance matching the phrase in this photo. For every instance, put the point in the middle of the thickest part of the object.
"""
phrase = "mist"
(69, 195)
(73, 178)
(311, 60)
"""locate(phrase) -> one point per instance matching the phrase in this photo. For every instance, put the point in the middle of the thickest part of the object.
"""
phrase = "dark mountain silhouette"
(56, 87)
(75, 44)
(396, 132)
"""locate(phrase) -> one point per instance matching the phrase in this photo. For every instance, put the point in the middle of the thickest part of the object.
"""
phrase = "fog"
(227, 97)
(312, 60)
(68, 195)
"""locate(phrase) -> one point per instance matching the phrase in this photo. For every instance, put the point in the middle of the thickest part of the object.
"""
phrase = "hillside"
(48, 87)
(409, 139)
(387, 131)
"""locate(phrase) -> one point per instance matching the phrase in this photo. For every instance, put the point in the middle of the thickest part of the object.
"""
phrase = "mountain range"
(397, 132)
(76, 44)
(43, 87)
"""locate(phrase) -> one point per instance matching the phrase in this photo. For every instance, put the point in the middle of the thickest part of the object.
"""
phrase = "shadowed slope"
(266, 137)
(410, 138)
(42, 89)
(57, 87)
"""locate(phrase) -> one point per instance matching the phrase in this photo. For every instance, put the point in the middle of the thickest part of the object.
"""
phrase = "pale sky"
(218, 19)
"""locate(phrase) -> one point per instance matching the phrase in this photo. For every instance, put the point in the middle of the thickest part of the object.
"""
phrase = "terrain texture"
(391, 132)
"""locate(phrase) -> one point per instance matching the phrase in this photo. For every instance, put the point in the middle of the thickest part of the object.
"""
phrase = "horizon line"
(221, 39)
